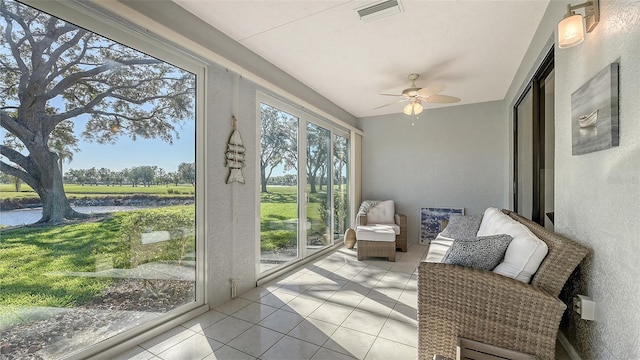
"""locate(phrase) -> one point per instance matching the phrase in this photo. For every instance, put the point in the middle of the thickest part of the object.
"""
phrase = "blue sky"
(126, 153)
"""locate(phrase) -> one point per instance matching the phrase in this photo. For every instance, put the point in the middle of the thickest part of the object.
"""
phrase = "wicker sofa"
(455, 301)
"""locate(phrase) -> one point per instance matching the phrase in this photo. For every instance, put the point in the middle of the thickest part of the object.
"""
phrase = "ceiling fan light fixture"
(413, 108)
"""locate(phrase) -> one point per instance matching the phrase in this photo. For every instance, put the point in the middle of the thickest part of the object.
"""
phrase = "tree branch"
(87, 108)
(15, 51)
(13, 126)
(16, 157)
(20, 174)
(68, 81)
(53, 58)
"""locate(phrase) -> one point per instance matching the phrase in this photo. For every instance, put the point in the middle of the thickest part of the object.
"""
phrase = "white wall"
(597, 195)
(451, 157)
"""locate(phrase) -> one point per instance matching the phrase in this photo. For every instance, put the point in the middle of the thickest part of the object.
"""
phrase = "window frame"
(304, 117)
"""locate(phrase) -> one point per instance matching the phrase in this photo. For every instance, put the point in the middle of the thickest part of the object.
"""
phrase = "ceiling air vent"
(379, 10)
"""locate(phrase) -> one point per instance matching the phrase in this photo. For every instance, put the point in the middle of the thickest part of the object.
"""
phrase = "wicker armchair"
(401, 239)
(454, 302)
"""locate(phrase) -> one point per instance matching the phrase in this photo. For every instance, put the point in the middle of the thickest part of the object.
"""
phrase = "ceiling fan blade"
(442, 99)
(430, 90)
(395, 102)
(390, 94)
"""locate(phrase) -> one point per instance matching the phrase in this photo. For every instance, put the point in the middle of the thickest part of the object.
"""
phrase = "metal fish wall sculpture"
(235, 155)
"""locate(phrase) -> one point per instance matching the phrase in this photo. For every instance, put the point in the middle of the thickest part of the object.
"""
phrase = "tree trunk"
(55, 205)
(17, 183)
(312, 182)
(263, 179)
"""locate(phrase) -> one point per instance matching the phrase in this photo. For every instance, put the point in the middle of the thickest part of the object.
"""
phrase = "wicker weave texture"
(401, 239)
(454, 302)
(461, 302)
(563, 257)
(377, 249)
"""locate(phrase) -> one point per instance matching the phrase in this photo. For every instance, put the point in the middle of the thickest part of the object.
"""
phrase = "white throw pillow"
(383, 213)
(525, 252)
(492, 219)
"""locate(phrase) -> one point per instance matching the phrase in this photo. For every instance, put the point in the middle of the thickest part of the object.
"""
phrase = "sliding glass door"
(303, 160)
(279, 204)
(534, 147)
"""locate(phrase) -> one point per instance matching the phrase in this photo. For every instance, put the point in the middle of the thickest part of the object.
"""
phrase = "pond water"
(29, 216)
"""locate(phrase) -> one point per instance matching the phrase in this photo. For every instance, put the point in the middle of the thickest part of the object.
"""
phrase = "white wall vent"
(379, 10)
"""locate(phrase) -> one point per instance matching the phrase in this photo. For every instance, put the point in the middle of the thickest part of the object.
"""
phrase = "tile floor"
(333, 309)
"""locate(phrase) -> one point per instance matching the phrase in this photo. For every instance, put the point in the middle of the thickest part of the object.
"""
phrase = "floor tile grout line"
(322, 302)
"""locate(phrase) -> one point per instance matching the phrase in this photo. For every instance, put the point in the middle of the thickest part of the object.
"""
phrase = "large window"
(98, 164)
(303, 166)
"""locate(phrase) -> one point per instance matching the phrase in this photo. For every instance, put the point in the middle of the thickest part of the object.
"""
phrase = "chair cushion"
(484, 252)
(395, 227)
(382, 213)
(375, 233)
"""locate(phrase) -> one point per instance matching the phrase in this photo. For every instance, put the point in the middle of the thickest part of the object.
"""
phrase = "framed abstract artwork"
(433, 220)
(594, 112)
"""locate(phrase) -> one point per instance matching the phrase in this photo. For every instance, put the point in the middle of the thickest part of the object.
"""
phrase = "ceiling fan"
(416, 95)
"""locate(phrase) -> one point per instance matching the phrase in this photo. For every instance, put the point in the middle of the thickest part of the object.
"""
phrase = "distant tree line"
(145, 175)
(279, 149)
(292, 180)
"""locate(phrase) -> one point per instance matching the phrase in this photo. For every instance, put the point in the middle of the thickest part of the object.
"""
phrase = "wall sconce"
(414, 107)
(571, 28)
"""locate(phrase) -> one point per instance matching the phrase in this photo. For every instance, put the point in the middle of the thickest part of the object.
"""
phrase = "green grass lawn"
(7, 191)
(31, 255)
(279, 214)
(33, 258)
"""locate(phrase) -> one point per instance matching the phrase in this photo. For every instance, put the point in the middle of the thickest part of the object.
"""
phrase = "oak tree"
(54, 76)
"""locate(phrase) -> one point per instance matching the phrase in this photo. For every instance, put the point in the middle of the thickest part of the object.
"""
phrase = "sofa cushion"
(492, 220)
(462, 226)
(383, 213)
(438, 247)
(525, 252)
(484, 252)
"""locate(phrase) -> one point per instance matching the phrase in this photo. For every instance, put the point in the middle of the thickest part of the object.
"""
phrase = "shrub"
(178, 221)
(277, 239)
(340, 212)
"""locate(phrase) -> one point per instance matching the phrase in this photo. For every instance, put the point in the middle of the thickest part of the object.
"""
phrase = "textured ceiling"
(474, 47)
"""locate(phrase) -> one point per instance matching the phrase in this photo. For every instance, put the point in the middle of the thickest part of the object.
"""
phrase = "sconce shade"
(570, 31)
(414, 107)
